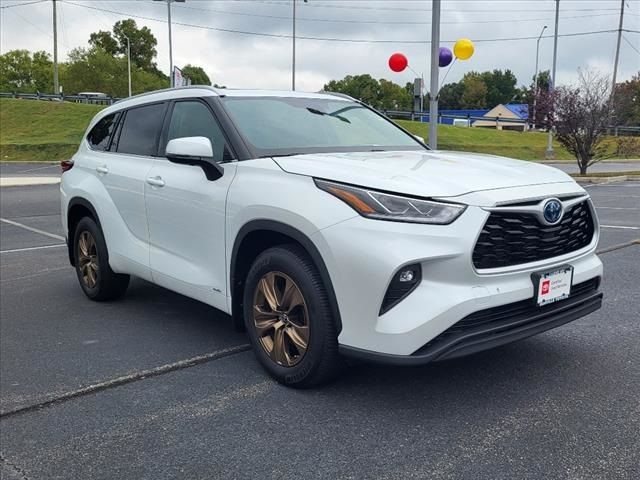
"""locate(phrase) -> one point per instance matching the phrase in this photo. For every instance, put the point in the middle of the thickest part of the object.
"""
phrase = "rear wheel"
(96, 278)
(288, 318)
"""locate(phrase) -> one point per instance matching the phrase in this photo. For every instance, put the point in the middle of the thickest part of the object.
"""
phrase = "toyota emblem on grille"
(552, 211)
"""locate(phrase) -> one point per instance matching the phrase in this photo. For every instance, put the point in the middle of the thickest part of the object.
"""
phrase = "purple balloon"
(445, 57)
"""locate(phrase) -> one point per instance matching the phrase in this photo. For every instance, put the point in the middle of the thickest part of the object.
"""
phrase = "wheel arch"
(257, 236)
(77, 209)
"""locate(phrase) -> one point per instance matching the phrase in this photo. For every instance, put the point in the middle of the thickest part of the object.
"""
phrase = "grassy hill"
(40, 130)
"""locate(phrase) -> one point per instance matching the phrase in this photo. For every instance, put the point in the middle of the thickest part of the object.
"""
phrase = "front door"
(186, 212)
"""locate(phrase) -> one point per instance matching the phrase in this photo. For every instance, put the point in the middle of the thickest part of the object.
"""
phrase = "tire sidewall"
(281, 260)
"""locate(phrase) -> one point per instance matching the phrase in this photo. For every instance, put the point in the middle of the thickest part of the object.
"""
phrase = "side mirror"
(195, 151)
(419, 138)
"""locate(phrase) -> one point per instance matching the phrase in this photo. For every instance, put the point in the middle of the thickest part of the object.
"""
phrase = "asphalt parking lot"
(564, 404)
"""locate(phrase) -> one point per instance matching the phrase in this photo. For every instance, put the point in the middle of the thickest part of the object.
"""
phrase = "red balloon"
(398, 62)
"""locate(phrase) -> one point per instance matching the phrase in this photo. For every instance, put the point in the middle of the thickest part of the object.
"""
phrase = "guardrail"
(96, 100)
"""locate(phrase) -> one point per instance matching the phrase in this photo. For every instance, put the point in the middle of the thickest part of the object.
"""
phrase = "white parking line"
(27, 249)
(31, 229)
(618, 208)
(620, 226)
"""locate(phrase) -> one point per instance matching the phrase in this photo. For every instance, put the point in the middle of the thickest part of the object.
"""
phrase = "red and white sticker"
(554, 286)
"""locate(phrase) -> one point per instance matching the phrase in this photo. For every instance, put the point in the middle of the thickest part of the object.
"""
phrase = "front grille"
(510, 238)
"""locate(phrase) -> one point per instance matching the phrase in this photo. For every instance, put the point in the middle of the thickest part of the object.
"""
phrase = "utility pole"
(56, 88)
(615, 63)
(535, 78)
(293, 59)
(129, 62)
(433, 92)
(171, 81)
(552, 80)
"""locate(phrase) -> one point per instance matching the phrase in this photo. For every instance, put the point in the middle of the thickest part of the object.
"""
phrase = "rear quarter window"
(100, 135)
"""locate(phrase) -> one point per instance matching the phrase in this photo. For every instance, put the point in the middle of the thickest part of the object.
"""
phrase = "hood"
(434, 173)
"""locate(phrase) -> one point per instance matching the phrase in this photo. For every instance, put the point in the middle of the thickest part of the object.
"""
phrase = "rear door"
(186, 212)
(123, 172)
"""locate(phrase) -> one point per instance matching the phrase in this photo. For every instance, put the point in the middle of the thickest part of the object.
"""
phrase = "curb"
(605, 180)
(28, 181)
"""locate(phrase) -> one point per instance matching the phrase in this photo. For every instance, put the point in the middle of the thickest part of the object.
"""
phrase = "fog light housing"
(404, 281)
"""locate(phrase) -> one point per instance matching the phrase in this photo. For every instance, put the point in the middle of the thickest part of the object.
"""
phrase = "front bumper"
(363, 255)
(494, 327)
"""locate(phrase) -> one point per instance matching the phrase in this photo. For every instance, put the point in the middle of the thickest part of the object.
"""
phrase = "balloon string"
(445, 75)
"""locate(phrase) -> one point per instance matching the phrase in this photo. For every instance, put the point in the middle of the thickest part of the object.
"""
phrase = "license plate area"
(551, 286)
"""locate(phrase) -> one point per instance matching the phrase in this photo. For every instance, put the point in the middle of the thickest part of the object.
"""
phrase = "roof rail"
(162, 90)
(338, 94)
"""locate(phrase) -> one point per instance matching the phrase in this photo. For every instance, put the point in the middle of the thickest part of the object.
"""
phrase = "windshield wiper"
(293, 154)
(334, 115)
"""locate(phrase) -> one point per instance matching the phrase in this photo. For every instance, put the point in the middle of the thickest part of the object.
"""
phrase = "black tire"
(321, 361)
(107, 285)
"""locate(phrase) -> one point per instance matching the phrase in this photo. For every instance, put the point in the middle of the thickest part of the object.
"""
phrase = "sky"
(380, 28)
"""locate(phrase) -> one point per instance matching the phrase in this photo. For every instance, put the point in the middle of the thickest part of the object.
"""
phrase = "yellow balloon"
(463, 49)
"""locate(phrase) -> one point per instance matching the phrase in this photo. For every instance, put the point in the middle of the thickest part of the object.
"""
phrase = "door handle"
(102, 169)
(155, 181)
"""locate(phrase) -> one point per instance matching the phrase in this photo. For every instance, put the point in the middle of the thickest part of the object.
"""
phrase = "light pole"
(433, 92)
(56, 88)
(552, 80)
(293, 50)
(171, 81)
(128, 62)
(535, 78)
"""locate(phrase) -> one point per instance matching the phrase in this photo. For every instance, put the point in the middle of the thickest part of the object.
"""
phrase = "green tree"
(474, 92)
(197, 75)
(381, 94)
(143, 43)
(501, 87)
(22, 71)
(627, 102)
(450, 96)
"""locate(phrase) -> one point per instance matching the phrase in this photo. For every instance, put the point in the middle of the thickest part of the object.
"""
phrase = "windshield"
(278, 126)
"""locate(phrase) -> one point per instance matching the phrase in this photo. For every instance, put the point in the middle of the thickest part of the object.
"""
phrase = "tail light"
(66, 165)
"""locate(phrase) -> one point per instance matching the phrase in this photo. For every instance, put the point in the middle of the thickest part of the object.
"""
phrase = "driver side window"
(193, 119)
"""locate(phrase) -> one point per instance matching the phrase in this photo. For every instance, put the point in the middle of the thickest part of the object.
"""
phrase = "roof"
(520, 109)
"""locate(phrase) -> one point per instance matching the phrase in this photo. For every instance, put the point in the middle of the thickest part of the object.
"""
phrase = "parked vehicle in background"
(325, 229)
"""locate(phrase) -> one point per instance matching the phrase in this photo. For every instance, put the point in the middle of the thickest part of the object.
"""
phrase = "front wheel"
(288, 318)
(96, 278)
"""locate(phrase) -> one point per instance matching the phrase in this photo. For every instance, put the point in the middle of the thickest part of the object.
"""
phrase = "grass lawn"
(521, 145)
(41, 130)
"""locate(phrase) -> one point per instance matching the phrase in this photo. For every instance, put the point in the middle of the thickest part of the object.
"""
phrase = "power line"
(23, 4)
(377, 22)
(333, 39)
(631, 44)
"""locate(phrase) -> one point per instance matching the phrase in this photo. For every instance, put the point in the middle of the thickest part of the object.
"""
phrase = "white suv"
(325, 229)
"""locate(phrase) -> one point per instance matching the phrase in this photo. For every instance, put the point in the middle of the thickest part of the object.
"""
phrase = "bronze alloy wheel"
(88, 259)
(281, 319)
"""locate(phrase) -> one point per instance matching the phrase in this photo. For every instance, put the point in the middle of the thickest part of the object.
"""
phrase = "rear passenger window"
(101, 133)
(141, 129)
(193, 119)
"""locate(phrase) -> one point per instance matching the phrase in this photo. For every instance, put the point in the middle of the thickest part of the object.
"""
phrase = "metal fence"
(91, 99)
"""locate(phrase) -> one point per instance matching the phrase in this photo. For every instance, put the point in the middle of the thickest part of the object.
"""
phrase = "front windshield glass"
(276, 126)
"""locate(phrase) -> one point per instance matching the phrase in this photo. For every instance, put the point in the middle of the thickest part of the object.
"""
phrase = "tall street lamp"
(552, 85)
(170, 45)
(535, 78)
(128, 61)
(293, 59)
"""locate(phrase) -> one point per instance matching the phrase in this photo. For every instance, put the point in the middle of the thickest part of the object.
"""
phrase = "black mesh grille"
(510, 238)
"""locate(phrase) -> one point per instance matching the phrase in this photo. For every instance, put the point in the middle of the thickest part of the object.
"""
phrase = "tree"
(474, 93)
(581, 116)
(381, 94)
(501, 87)
(143, 43)
(627, 102)
(22, 71)
(197, 75)
(450, 96)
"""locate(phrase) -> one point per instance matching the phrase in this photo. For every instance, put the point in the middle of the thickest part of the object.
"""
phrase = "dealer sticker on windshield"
(553, 285)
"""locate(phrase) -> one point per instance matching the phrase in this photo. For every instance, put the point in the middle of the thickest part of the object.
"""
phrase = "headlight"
(386, 206)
